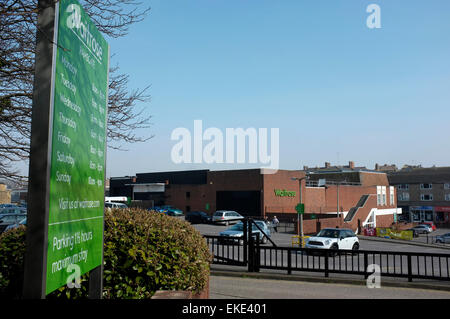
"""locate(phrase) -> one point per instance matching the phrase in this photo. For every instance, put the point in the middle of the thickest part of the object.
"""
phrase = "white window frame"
(403, 196)
(378, 195)
(403, 186)
(446, 185)
(447, 197)
(422, 186)
(422, 197)
(391, 195)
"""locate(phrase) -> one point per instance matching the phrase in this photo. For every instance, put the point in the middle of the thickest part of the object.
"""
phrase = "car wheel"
(355, 247)
(334, 250)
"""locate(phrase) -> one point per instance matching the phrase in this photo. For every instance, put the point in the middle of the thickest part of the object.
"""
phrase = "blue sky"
(337, 90)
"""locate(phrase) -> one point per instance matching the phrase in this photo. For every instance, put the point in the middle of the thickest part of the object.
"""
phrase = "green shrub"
(12, 251)
(143, 252)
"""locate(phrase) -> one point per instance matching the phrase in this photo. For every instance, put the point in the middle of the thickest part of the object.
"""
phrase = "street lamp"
(300, 218)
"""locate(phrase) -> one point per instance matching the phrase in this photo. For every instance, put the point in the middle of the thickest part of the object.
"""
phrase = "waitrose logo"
(284, 193)
(74, 22)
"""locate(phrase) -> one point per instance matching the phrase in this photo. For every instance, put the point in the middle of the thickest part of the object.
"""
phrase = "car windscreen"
(218, 213)
(238, 226)
(261, 224)
(328, 233)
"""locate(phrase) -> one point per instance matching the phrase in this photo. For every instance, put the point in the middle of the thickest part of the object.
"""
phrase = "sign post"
(300, 208)
(68, 151)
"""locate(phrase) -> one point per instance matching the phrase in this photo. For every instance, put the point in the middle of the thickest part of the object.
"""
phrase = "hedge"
(143, 252)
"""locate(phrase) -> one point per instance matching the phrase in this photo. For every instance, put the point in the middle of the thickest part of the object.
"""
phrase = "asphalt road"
(285, 239)
(249, 288)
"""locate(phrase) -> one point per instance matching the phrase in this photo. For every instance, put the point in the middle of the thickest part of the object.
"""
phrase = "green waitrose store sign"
(77, 173)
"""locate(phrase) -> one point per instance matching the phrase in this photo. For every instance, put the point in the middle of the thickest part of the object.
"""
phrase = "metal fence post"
(326, 263)
(251, 257)
(366, 264)
(289, 261)
(257, 255)
(245, 244)
(409, 268)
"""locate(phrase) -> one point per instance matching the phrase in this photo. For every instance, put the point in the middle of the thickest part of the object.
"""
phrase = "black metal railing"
(391, 264)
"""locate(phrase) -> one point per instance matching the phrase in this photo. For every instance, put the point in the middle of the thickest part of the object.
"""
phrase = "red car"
(433, 226)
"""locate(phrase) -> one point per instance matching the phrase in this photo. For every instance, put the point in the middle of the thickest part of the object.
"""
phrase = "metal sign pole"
(40, 150)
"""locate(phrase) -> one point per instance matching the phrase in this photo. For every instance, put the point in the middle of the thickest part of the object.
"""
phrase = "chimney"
(351, 164)
(327, 165)
(377, 167)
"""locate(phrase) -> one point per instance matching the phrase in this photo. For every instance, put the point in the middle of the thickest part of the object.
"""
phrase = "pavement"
(239, 287)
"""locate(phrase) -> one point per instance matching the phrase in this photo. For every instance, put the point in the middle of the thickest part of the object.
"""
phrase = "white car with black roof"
(334, 239)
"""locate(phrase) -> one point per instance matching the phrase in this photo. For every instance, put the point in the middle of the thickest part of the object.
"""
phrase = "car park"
(10, 219)
(197, 217)
(422, 229)
(334, 239)
(236, 233)
(443, 239)
(226, 217)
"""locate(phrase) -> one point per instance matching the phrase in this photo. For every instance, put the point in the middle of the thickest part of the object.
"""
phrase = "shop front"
(442, 215)
(421, 213)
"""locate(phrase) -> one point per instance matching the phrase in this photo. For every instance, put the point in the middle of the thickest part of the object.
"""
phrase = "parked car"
(159, 209)
(13, 209)
(226, 217)
(12, 226)
(7, 205)
(236, 233)
(111, 205)
(422, 229)
(198, 217)
(174, 212)
(10, 219)
(431, 224)
(334, 239)
(443, 239)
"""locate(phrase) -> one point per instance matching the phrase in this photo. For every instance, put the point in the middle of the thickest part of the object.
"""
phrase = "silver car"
(226, 217)
(443, 239)
(236, 233)
(422, 229)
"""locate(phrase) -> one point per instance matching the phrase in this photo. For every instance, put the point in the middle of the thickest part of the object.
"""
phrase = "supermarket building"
(343, 196)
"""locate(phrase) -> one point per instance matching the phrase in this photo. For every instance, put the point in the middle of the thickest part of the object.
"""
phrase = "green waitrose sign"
(77, 174)
(284, 193)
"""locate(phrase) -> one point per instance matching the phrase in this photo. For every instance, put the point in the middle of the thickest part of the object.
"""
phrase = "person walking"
(275, 223)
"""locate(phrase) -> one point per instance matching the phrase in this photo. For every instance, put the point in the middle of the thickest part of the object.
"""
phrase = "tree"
(18, 20)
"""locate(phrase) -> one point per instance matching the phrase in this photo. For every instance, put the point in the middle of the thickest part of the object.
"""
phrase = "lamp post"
(300, 217)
